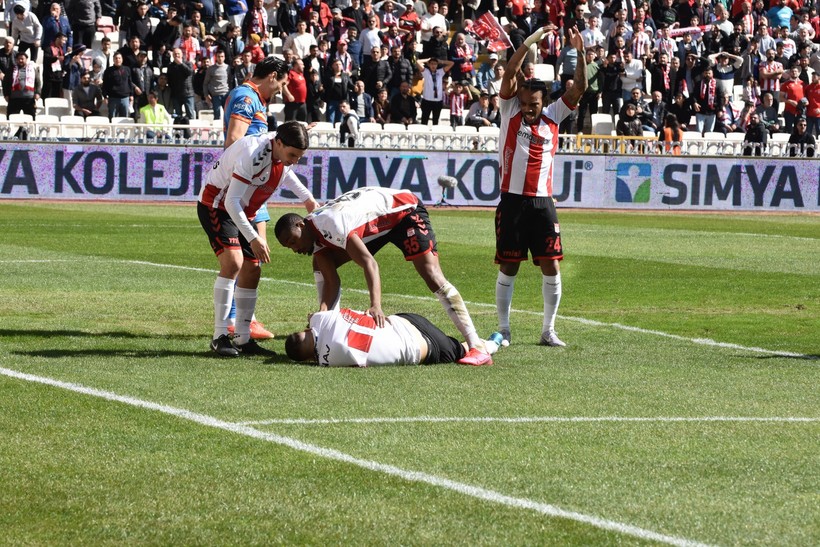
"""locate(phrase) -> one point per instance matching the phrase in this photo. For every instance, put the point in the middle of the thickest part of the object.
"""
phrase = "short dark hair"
(534, 85)
(268, 65)
(292, 348)
(293, 134)
(286, 222)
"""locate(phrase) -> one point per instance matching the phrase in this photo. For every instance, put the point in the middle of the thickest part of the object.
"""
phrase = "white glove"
(535, 37)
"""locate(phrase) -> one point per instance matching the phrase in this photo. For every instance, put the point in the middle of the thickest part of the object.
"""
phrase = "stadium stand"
(54, 115)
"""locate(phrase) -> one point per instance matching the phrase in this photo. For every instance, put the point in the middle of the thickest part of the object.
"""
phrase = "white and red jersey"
(244, 177)
(367, 212)
(526, 152)
(456, 102)
(748, 21)
(666, 45)
(770, 84)
(348, 338)
(641, 43)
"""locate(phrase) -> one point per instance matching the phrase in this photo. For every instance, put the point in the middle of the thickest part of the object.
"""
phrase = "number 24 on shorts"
(554, 244)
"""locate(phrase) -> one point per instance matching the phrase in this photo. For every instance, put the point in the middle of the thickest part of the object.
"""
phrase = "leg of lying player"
(429, 268)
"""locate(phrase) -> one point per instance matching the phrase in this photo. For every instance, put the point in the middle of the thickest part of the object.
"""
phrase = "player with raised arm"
(525, 219)
(355, 226)
(240, 182)
(246, 113)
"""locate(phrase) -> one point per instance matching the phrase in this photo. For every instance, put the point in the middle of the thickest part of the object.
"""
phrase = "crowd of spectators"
(716, 65)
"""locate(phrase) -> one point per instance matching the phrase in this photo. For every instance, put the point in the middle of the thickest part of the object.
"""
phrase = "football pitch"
(685, 409)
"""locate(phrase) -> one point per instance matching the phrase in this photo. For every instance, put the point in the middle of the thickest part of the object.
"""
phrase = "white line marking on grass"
(527, 419)
(584, 321)
(409, 475)
(699, 341)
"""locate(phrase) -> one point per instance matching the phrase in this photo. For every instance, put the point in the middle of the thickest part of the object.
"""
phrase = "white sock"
(551, 290)
(320, 285)
(245, 305)
(504, 285)
(455, 308)
(223, 295)
(490, 346)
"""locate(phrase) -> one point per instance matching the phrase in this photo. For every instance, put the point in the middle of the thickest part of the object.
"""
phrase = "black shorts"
(526, 224)
(440, 347)
(223, 232)
(413, 235)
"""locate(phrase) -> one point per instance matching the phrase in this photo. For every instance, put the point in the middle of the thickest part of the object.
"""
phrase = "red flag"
(488, 28)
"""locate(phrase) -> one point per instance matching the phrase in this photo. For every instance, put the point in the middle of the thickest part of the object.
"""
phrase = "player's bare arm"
(509, 83)
(360, 255)
(326, 264)
(236, 130)
(574, 95)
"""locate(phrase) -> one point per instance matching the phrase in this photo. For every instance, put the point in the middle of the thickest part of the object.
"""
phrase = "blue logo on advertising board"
(633, 182)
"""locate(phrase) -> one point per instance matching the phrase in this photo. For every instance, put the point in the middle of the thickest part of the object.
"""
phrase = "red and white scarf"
(24, 82)
(708, 92)
(189, 51)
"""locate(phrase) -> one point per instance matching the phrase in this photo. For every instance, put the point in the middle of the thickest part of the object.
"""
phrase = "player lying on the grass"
(348, 338)
(354, 227)
(243, 179)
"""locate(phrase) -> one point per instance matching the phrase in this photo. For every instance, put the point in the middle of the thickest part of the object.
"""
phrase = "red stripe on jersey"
(240, 118)
(554, 128)
(359, 341)
(404, 198)
(387, 222)
(210, 194)
(509, 151)
(381, 224)
(534, 159)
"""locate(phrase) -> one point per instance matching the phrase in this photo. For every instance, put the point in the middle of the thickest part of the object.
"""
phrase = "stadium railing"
(392, 136)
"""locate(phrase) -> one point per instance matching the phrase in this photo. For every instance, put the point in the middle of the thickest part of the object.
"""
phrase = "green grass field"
(684, 410)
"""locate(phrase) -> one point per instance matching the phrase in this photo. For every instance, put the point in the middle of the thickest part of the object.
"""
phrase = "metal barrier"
(394, 137)
(113, 132)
